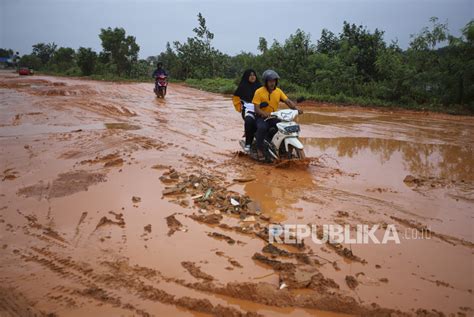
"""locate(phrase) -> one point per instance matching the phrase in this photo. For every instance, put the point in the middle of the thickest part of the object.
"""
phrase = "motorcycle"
(161, 83)
(282, 141)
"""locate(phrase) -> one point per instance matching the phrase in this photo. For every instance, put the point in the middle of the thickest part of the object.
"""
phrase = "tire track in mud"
(100, 286)
(115, 282)
(108, 282)
(14, 304)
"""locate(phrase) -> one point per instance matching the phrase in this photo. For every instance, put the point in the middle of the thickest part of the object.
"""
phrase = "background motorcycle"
(161, 83)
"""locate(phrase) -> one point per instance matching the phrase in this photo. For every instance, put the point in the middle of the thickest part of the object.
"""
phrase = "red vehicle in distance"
(25, 71)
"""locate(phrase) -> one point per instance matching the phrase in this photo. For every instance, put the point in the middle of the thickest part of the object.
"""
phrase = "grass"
(228, 86)
(218, 85)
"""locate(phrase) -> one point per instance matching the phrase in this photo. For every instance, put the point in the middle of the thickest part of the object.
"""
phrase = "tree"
(63, 58)
(468, 32)
(294, 56)
(262, 45)
(122, 49)
(366, 46)
(328, 43)
(197, 57)
(428, 39)
(169, 60)
(86, 60)
(44, 51)
(30, 61)
(425, 58)
(6, 52)
(203, 32)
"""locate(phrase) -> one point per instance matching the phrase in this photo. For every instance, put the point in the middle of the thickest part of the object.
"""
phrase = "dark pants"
(262, 130)
(250, 129)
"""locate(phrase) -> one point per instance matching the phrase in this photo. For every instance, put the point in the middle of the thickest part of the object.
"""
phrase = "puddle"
(29, 129)
(100, 243)
(386, 162)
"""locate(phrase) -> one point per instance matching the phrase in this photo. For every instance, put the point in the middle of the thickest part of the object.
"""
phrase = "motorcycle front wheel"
(294, 153)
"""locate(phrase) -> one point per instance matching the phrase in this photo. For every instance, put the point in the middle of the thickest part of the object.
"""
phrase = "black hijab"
(246, 89)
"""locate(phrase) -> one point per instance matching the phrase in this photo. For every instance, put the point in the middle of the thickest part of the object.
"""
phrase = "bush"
(218, 85)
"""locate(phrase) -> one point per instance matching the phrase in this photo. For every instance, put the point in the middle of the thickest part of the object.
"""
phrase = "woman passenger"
(242, 101)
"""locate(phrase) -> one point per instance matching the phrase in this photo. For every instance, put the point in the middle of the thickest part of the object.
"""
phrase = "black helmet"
(270, 74)
(159, 64)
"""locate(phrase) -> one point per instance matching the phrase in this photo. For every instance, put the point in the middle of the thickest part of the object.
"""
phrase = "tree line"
(356, 65)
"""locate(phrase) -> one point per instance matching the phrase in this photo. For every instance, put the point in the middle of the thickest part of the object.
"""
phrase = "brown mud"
(115, 203)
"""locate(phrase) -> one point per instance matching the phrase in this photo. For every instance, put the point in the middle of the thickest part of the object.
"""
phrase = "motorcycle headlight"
(292, 129)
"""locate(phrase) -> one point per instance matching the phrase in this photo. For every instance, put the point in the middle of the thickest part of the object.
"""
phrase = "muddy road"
(116, 203)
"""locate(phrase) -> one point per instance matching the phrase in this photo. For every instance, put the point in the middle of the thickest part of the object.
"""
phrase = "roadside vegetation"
(356, 66)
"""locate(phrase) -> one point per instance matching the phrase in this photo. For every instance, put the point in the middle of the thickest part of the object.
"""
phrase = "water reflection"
(441, 160)
(279, 189)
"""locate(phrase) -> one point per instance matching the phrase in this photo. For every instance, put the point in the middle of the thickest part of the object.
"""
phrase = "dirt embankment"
(115, 203)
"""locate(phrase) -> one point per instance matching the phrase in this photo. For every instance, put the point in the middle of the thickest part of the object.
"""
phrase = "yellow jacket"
(273, 99)
(237, 103)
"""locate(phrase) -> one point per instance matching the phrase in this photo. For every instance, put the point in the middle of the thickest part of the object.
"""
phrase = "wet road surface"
(75, 241)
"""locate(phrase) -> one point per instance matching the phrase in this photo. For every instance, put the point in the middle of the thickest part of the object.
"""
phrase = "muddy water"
(73, 241)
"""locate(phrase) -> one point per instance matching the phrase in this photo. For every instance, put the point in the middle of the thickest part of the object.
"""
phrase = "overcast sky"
(237, 25)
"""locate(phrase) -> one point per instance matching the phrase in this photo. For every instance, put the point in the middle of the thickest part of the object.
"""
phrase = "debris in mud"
(147, 228)
(274, 264)
(410, 179)
(296, 278)
(341, 213)
(300, 257)
(65, 184)
(429, 182)
(207, 218)
(9, 174)
(232, 261)
(160, 167)
(136, 199)
(235, 263)
(380, 190)
(244, 180)
(220, 236)
(351, 282)
(173, 224)
(429, 313)
(312, 279)
(106, 221)
(270, 248)
(345, 252)
(249, 219)
(173, 190)
(112, 159)
(196, 271)
(207, 192)
(117, 162)
(340, 249)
